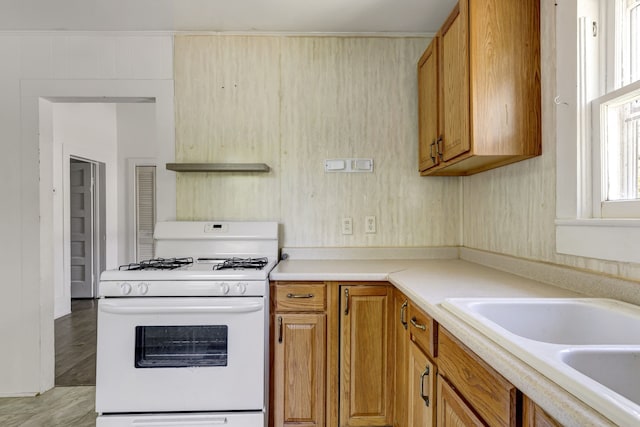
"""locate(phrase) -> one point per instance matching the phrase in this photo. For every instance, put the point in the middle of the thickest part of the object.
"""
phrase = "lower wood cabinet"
(366, 356)
(298, 369)
(421, 388)
(534, 416)
(401, 356)
(452, 409)
(298, 350)
(490, 396)
(354, 354)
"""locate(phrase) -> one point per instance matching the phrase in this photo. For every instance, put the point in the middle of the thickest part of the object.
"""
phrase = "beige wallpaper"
(292, 102)
(511, 210)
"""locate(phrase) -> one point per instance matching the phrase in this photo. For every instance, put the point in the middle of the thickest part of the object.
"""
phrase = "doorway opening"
(87, 215)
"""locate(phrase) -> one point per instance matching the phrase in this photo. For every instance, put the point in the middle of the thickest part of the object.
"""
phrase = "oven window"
(180, 346)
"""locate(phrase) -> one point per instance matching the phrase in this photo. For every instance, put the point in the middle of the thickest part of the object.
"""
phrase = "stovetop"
(200, 258)
(207, 268)
(213, 263)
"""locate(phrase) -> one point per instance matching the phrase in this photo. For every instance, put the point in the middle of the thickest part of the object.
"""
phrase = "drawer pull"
(299, 295)
(439, 148)
(433, 158)
(422, 395)
(346, 301)
(403, 312)
(418, 325)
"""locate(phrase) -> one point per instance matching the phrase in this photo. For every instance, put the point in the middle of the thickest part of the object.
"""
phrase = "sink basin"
(616, 369)
(588, 346)
(566, 321)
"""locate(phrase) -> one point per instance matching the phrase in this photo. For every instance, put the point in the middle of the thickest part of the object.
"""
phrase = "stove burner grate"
(158, 264)
(242, 264)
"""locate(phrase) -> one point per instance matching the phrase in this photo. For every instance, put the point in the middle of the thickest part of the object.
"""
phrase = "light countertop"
(428, 283)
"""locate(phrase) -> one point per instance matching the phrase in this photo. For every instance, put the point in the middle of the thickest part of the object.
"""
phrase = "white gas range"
(182, 339)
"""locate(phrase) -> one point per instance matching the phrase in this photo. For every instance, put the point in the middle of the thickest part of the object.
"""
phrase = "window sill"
(609, 239)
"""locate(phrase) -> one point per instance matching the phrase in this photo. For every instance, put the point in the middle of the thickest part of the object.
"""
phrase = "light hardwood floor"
(71, 403)
(59, 407)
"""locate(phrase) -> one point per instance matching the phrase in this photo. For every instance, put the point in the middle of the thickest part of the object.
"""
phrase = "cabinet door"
(299, 363)
(366, 376)
(452, 410)
(428, 107)
(454, 60)
(422, 385)
(400, 326)
(534, 416)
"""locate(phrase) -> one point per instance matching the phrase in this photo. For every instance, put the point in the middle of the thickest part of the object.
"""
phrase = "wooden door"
(299, 363)
(454, 74)
(452, 410)
(401, 331)
(81, 228)
(428, 105)
(422, 386)
(366, 356)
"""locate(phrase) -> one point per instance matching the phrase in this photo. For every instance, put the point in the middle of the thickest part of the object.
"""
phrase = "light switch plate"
(348, 165)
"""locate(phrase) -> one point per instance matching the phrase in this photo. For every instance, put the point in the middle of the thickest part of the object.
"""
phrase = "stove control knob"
(224, 288)
(241, 288)
(125, 288)
(143, 288)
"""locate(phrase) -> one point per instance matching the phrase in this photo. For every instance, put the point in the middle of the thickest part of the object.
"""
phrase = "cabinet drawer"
(299, 297)
(492, 397)
(423, 330)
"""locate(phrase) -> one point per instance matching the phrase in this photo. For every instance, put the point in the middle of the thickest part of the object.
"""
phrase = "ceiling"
(296, 16)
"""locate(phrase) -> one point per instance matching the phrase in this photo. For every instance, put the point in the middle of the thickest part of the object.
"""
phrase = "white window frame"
(579, 230)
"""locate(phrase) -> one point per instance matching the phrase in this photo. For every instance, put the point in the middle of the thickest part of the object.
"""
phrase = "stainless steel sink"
(589, 346)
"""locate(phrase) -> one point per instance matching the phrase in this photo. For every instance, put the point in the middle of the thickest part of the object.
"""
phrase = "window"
(616, 114)
(598, 123)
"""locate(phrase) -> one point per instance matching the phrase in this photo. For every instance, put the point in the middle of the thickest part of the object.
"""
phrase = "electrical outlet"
(347, 225)
(370, 224)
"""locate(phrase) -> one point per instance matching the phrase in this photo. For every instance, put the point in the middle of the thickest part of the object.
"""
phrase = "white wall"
(136, 145)
(58, 65)
(292, 102)
(88, 131)
(511, 210)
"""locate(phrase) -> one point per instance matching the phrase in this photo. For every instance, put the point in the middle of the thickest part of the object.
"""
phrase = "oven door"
(180, 354)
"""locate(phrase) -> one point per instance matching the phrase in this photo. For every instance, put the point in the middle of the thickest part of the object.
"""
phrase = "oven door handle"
(173, 421)
(188, 309)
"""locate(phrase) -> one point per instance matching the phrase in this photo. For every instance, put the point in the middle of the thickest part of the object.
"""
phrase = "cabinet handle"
(346, 301)
(418, 325)
(299, 295)
(433, 158)
(403, 312)
(439, 147)
(422, 395)
(280, 329)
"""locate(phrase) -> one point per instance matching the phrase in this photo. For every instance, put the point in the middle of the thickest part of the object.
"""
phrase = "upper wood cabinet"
(428, 107)
(366, 356)
(484, 64)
